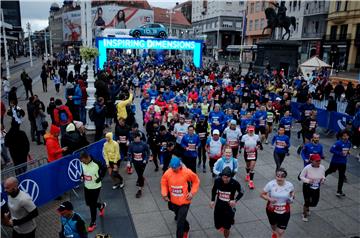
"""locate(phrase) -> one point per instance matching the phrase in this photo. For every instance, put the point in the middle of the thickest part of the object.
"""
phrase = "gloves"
(98, 180)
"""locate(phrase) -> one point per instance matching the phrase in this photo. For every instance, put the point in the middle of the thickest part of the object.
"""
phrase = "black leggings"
(311, 196)
(182, 225)
(155, 155)
(341, 168)
(27, 235)
(279, 158)
(202, 154)
(91, 199)
(140, 168)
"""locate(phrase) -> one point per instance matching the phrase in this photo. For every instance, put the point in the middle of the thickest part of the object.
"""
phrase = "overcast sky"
(37, 12)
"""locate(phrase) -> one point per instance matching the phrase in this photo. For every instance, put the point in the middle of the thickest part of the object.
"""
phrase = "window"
(228, 3)
(290, 6)
(262, 5)
(238, 24)
(227, 24)
(256, 26)
(262, 23)
(252, 8)
(338, 6)
(299, 5)
(346, 5)
(333, 31)
(257, 7)
(343, 32)
(316, 27)
(250, 25)
(294, 5)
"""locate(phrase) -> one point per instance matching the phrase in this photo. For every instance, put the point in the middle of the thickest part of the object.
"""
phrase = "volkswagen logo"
(75, 170)
(30, 187)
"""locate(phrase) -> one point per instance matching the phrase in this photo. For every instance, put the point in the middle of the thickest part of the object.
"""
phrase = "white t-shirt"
(316, 174)
(19, 207)
(281, 194)
(232, 136)
(180, 131)
(250, 143)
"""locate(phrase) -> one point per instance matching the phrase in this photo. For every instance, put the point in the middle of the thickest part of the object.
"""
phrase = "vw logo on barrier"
(31, 187)
(341, 123)
(75, 170)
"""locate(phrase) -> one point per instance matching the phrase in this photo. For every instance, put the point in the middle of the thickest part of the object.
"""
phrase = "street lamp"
(5, 47)
(28, 26)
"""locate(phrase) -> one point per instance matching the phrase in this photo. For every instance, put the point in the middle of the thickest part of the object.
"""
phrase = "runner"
(190, 144)
(313, 147)
(282, 145)
(217, 118)
(72, 224)
(313, 175)
(93, 173)
(341, 151)
(269, 120)
(251, 143)
(201, 128)
(279, 194)
(286, 122)
(111, 154)
(214, 148)
(139, 154)
(163, 138)
(227, 160)
(259, 118)
(232, 134)
(175, 190)
(122, 137)
(180, 130)
(224, 189)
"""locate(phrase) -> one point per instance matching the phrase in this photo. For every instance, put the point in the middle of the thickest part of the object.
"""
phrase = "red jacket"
(194, 96)
(53, 147)
(57, 120)
(3, 109)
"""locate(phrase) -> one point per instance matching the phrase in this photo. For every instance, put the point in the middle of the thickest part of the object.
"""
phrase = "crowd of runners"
(195, 121)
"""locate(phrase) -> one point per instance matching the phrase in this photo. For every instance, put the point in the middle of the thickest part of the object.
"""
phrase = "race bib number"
(280, 144)
(251, 155)
(315, 185)
(312, 124)
(233, 143)
(202, 135)
(224, 196)
(307, 113)
(122, 139)
(177, 191)
(280, 209)
(87, 178)
(137, 156)
(262, 122)
(215, 120)
(287, 127)
(270, 118)
(192, 147)
(345, 151)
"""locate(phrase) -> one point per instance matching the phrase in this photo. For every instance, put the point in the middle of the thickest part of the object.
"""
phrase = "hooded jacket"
(111, 150)
(53, 147)
(121, 107)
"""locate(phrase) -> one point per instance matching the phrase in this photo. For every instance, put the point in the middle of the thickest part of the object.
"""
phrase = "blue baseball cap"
(175, 162)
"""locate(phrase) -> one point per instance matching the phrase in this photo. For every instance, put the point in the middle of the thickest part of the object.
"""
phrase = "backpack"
(63, 116)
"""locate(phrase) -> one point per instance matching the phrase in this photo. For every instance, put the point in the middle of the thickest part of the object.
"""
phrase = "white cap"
(216, 132)
(278, 99)
(181, 91)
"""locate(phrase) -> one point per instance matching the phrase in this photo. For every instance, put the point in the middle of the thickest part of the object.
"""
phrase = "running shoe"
(304, 218)
(251, 184)
(221, 230)
(102, 209)
(266, 142)
(122, 185)
(138, 194)
(186, 234)
(340, 194)
(129, 170)
(247, 178)
(116, 186)
(273, 235)
(91, 227)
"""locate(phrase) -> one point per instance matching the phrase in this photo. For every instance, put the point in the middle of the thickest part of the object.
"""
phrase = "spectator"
(72, 224)
(100, 112)
(338, 90)
(19, 146)
(81, 129)
(40, 123)
(50, 109)
(13, 96)
(62, 115)
(54, 151)
(44, 77)
(71, 139)
(15, 112)
(31, 116)
(56, 79)
(27, 82)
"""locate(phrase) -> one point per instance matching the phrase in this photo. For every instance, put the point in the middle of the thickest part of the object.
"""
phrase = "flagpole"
(242, 35)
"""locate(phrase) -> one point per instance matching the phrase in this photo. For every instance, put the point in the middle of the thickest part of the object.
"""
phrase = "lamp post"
(5, 47)
(46, 49)
(51, 47)
(90, 73)
(28, 26)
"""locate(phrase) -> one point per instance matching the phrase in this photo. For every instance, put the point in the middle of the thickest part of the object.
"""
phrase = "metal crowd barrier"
(341, 106)
(30, 165)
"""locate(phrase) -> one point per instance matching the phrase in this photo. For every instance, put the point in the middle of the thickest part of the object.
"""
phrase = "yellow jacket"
(111, 150)
(121, 107)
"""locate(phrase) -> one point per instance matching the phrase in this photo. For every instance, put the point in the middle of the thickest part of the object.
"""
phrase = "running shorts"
(280, 220)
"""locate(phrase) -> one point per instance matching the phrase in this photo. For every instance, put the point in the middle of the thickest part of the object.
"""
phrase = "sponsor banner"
(50, 181)
(103, 17)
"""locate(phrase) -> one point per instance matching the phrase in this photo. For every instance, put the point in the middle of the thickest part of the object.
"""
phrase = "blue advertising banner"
(338, 121)
(49, 181)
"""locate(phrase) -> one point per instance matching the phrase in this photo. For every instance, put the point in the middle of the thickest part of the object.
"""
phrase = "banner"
(105, 16)
(52, 180)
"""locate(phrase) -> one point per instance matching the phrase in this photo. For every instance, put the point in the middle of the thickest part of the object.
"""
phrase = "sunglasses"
(281, 175)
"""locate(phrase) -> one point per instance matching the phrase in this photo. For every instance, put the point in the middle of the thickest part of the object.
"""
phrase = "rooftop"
(161, 15)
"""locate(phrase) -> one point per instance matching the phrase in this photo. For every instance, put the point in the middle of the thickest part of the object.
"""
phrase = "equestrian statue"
(279, 19)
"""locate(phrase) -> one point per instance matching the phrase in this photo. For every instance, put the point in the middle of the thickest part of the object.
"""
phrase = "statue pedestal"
(280, 54)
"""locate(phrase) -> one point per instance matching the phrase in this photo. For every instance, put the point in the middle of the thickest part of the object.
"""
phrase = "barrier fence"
(46, 181)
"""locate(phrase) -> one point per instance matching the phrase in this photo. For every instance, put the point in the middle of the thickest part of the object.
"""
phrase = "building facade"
(56, 27)
(185, 8)
(341, 46)
(218, 23)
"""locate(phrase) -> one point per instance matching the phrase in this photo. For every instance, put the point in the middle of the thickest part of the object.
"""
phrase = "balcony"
(315, 11)
(338, 37)
(312, 35)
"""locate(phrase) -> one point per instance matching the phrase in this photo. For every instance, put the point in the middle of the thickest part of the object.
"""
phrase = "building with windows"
(56, 27)
(341, 45)
(175, 22)
(219, 23)
(185, 8)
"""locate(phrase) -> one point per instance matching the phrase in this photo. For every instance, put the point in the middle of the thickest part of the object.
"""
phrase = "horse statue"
(273, 21)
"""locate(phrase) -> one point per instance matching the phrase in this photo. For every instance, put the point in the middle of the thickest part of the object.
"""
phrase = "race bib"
(251, 155)
(122, 139)
(138, 156)
(280, 144)
(280, 209)
(315, 185)
(287, 127)
(307, 113)
(262, 122)
(87, 178)
(177, 191)
(270, 118)
(233, 143)
(224, 196)
(192, 147)
(312, 124)
(345, 151)
(202, 135)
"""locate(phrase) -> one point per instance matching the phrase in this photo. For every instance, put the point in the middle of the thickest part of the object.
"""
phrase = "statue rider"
(281, 13)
